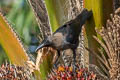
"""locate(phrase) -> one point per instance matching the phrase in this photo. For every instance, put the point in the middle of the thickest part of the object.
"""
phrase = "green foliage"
(3, 56)
(22, 19)
(56, 12)
(52, 14)
(12, 46)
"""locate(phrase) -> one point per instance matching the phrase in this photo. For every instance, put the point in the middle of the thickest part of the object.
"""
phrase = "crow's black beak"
(44, 43)
(39, 47)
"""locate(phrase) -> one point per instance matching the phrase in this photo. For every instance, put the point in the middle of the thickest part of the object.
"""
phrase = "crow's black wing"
(64, 28)
(61, 29)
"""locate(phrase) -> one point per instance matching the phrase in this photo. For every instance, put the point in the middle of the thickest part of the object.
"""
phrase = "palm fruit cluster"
(67, 73)
(12, 72)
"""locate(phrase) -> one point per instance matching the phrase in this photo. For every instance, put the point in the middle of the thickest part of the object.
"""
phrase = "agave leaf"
(11, 43)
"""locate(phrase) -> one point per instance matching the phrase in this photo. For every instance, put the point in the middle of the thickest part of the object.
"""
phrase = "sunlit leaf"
(57, 12)
(11, 43)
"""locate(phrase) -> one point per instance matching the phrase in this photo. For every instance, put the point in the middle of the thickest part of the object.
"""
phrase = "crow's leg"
(74, 60)
(57, 59)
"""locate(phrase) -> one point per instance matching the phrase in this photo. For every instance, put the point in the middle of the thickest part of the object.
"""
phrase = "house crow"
(67, 36)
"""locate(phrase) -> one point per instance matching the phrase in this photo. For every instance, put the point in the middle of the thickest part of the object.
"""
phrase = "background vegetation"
(22, 19)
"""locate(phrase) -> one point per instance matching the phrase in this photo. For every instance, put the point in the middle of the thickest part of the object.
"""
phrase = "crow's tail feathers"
(84, 15)
(85, 12)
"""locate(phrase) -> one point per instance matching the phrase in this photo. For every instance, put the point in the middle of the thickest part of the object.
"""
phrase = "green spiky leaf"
(11, 44)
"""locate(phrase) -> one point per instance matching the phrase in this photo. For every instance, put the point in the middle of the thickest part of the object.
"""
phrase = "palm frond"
(111, 45)
(12, 43)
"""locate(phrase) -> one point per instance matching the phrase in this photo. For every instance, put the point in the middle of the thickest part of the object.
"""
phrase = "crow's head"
(45, 43)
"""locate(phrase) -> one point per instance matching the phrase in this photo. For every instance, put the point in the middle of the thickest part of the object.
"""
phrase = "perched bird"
(67, 36)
